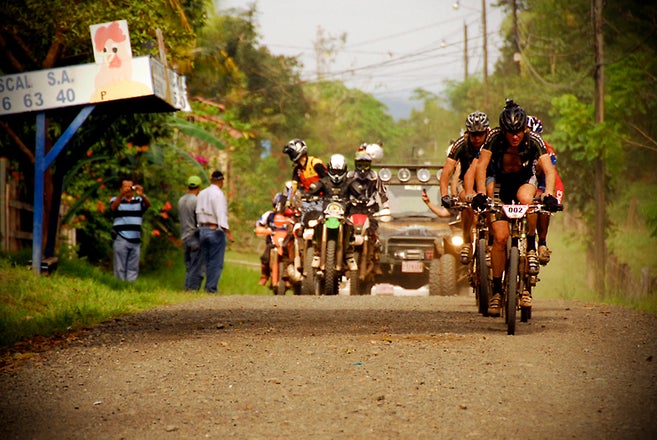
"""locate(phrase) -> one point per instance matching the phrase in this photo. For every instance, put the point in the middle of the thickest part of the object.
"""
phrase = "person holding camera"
(128, 210)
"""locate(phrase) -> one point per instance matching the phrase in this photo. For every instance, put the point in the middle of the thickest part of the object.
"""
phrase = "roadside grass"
(80, 295)
(565, 276)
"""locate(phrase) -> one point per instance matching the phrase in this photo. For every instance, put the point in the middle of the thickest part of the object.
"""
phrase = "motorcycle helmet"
(535, 124)
(477, 122)
(337, 168)
(513, 118)
(295, 149)
(277, 201)
(362, 162)
(375, 151)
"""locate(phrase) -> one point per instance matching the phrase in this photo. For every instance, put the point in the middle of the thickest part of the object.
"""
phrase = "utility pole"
(483, 24)
(516, 35)
(465, 49)
(599, 245)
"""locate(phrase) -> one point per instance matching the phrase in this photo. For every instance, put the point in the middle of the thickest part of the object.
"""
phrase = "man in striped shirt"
(128, 210)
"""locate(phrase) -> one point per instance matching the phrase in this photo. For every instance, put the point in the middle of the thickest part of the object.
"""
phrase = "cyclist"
(508, 158)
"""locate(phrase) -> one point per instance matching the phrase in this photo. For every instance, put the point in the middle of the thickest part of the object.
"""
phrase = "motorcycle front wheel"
(280, 286)
(331, 277)
(308, 280)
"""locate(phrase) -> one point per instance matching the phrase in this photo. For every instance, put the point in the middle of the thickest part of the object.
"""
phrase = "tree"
(36, 37)
(343, 118)
(429, 131)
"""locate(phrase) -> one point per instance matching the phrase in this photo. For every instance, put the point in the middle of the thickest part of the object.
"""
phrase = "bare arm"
(448, 169)
(469, 179)
(480, 173)
(550, 173)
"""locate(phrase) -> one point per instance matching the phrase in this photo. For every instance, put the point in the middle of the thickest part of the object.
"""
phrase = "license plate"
(412, 267)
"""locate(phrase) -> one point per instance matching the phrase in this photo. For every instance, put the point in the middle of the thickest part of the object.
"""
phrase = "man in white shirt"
(212, 217)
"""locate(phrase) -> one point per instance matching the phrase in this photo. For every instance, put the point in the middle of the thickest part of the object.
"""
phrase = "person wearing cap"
(212, 217)
(189, 235)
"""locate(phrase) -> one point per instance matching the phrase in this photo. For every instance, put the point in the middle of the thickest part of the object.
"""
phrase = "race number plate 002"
(412, 267)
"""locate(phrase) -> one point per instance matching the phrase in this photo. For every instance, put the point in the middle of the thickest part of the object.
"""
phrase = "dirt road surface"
(375, 367)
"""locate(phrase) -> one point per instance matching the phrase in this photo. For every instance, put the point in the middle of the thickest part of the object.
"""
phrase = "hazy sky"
(392, 46)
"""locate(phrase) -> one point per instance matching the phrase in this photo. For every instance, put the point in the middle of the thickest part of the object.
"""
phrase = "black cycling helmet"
(513, 118)
(295, 149)
(476, 122)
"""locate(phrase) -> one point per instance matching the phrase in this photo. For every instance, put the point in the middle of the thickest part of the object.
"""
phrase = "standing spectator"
(189, 234)
(128, 210)
(212, 216)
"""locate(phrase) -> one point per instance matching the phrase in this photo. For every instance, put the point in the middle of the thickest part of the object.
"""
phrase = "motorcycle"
(283, 272)
(304, 232)
(364, 243)
(333, 240)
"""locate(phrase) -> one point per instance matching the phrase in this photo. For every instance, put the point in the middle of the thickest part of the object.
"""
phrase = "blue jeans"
(126, 259)
(193, 263)
(213, 248)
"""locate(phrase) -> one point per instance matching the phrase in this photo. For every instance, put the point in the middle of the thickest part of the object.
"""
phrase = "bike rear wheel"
(512, 290)
(481, 273)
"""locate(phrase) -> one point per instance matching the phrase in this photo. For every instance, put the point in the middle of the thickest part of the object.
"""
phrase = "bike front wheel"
(512, 290)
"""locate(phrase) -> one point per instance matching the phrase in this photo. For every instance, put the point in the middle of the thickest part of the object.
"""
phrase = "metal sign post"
(41, 164)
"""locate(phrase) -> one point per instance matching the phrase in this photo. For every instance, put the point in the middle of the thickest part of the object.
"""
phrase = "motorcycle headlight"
(334, 210)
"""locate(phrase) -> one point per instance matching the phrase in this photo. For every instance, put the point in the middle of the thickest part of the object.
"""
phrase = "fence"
(621, 279)
(11, 233)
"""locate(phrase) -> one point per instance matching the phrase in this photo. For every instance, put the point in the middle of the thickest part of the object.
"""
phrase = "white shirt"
(211, 207)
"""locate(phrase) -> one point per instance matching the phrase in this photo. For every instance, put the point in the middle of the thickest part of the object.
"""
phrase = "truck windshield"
(407, 199)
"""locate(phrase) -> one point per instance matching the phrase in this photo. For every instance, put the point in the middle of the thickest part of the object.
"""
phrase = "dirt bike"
(479, 274)
(283, 273)
(305, 231)
(363, 242)
(517, 277)
(333, 240)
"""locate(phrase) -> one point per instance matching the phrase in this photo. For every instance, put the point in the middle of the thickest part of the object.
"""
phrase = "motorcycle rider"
(266, 221)
(307, 170)
(543, 222)
(335, 183)
(365, 187)
(464, 152)
(509, 157)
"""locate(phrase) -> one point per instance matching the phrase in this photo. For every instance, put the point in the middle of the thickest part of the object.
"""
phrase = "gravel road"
(375, 367)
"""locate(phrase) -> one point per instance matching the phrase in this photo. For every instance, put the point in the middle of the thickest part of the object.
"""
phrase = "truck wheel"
(448, 275)
(435, 284)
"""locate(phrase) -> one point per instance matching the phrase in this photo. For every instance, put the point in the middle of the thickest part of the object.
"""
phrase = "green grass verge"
(565, 276)
(79, 295)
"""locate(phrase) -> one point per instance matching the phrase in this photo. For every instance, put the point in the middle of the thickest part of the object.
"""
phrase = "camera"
(134, 188)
